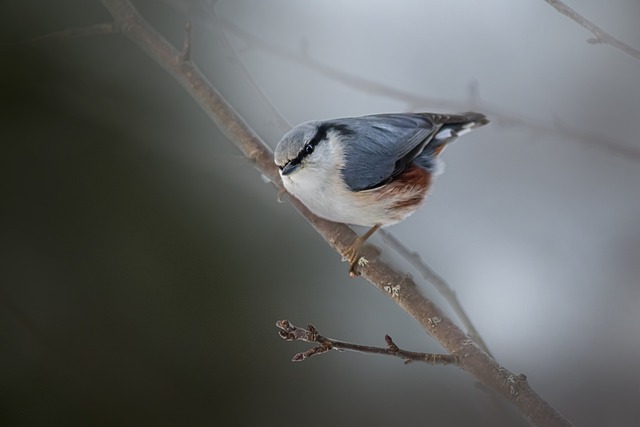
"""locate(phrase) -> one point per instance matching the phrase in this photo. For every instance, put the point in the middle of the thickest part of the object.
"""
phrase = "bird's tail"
(457, 125)
(454, 126)
(451, 127)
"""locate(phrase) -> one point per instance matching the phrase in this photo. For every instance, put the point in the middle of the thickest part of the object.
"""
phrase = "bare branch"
(71, 33)
(600, 35)
(439, 283)
(186, 46)
(497, 116)
(216, 25)
(400, 288)
(291, 332)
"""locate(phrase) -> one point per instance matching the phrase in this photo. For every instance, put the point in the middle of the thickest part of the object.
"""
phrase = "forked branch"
(291, 332)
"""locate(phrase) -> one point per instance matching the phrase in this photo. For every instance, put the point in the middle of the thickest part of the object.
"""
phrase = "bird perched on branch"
(371, 171)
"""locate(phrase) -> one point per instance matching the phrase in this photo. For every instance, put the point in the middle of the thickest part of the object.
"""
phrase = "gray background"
(144, 262)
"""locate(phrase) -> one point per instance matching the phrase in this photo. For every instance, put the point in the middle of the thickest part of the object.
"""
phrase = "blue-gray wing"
(379, 147)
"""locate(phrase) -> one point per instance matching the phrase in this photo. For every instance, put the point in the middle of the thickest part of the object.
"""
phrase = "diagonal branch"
(400, 288)
(600, 35)
(414, 102)
(291, 332)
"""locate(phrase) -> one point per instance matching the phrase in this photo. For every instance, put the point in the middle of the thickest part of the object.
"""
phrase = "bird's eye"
(308, 148)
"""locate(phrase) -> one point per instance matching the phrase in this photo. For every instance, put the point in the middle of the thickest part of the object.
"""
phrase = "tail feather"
(457, 125)
(476, 118)
(451, 127)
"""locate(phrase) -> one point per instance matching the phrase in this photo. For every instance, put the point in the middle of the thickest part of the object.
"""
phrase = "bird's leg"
(352, 254)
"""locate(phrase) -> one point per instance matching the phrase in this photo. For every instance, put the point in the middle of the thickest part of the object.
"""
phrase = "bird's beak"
(289, 168)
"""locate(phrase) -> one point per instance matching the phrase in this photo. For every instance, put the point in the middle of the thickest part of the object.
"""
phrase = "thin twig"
(291, 332)
(416, 102)
(600, 35)
(438, 282)
(401, 289)
(215, 23)
(186, 45)
(70, 33)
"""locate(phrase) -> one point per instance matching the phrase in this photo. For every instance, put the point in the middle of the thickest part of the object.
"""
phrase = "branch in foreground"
(601, 36)
(291, 332)
(400, 288)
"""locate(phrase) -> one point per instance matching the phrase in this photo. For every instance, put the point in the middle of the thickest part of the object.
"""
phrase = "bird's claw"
(355, 260)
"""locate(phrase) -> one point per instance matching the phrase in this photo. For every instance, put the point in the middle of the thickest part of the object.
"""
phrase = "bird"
(371, 171)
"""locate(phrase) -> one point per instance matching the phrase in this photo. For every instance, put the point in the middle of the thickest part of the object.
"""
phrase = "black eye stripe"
(321, 135)
(317, 138)
(308, 148)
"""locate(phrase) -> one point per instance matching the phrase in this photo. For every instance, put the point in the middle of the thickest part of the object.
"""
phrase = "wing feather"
(378, 148)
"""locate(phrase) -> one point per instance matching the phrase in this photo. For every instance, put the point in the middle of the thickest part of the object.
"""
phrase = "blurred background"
(144, 262)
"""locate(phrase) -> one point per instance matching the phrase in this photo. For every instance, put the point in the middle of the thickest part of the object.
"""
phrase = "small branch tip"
(294, 333)
(391, 346)
(186, 47)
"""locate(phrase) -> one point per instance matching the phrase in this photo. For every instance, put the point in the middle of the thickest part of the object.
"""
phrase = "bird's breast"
(329, 197)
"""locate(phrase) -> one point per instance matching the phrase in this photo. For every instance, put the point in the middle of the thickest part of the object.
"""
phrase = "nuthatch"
(372, 170)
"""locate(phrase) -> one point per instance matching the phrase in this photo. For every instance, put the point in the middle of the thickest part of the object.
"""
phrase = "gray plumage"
(388, 143)
(377, 148)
